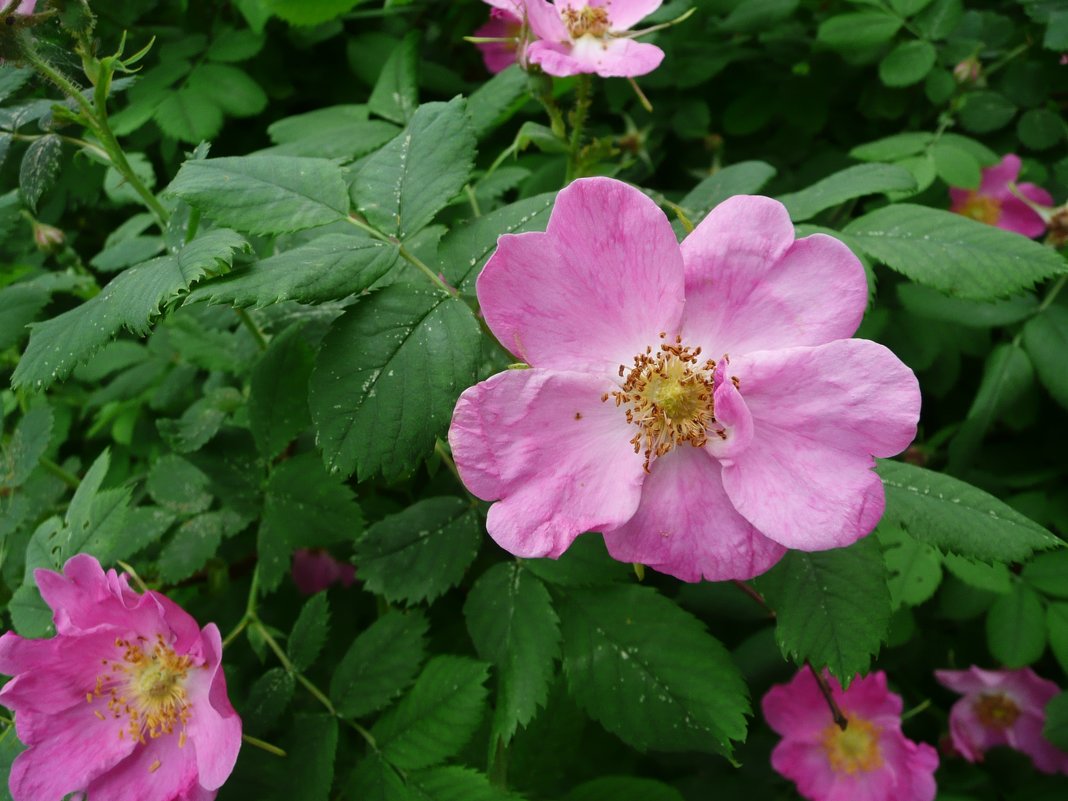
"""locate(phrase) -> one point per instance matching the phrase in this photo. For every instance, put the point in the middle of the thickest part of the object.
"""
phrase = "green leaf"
(512, 623)
(454, 783)
(915, 568)
(304, 508)
(1048, 573)
(387, 377)
(956, 517)
(268, 699)
(231, 45)
(40, 163)
(195, 542)
(144, 526)
(438, 715)
(1040, 128)
(310, 12)
(832, 608)
(131, 300)
(743, 178)
(466, 248)
(1057, 631)
(1056, 37)
(178, 485)
(953, 254)
(850, 183)
(758, 15)
(1007, 376)
(990, 577)
(229, 88)
(908, 63)
(402, 186)
(925, 302)
(264, 194)
(379, 664)
(585, 564)
(189, 114)
(1045, 338)
(893, 147)
(332, 132)
(955, 166)
(862, 30)
(649, 672)
(985, 111)
(201, 421)
(1055, 728)
(29, 442)
(396, 93)
(19, 306)
(497, 99)
(328, 268)
(1015, 628)
(309, 764)
(278, 397)
(417, 554)
(940, 19)
(907, 8)
(308, 636)
(624, 788)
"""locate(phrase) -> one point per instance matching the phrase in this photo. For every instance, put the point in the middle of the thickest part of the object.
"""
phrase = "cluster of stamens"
(996, 710)
(668, 395)
(146, 686)
(856, 748)
(591, 20)
(982, 208)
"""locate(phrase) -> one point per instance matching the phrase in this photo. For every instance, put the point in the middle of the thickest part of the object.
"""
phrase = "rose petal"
(623, 14)
(545, 21)
(686, 527)
(819, 415)
(140, 778)
(214, 726)
(558, 459)
(749, 286)
(997, 178)
(609, 58)
(592, 291)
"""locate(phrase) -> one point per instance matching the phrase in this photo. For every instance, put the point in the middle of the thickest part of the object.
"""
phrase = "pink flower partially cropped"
(1002, 707)
(503, 24)
(126, 703)
(871, 760)
(995, 203)
(314, 570)
(578, 36)
(700, 405)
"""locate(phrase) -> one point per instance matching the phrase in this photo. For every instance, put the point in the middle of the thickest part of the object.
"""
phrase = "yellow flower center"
(667, 394)
(855, 749)
(996, 710)
(146, 687)
(982, 208)
(590, 20)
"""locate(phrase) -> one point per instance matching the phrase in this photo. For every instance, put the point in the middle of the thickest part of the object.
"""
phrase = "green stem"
(263, 745)
(66, 477)
(405, 254)
(1052, 294)
(583, 100)
(250, 324)
(96, 120)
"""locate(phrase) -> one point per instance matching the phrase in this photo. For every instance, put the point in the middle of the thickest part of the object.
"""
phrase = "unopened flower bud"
(968, 70)
(1058, 227)
(48, 238)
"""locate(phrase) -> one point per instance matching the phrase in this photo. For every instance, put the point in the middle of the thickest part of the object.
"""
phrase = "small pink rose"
(995, 203)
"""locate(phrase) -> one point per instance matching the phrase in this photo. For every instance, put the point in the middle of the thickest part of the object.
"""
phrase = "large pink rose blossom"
(504, 25)
(1002, 707)
(634, 421)
(871, 760)
(580, 36)
(126, 703)
(995, 203)
(315, 570)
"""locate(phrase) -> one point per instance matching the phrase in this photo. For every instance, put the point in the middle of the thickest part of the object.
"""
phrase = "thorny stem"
(756, 596)
(96, 119)
(583, 101)
(840, 720)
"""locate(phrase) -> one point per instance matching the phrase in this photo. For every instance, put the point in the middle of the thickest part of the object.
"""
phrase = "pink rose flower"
(315, 570)
(871, 759)
(577, 36)
(635, 422)
(126, 703)
(503, 24)
(995, 204)
(1002, 707)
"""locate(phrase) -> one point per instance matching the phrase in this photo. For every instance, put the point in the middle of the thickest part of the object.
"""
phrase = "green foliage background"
(258, 352)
